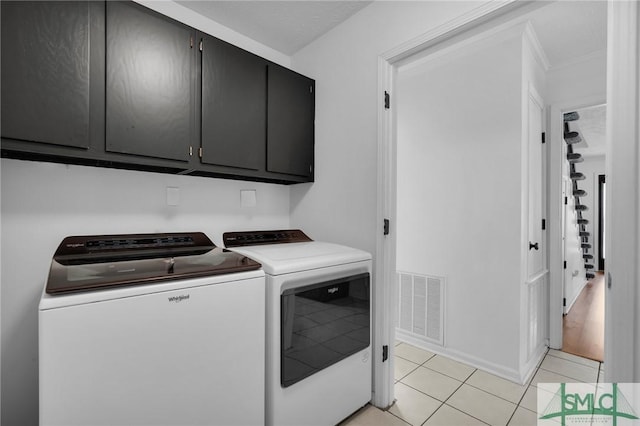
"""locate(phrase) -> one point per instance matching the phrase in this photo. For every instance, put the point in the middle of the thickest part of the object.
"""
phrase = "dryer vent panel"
(421, 312)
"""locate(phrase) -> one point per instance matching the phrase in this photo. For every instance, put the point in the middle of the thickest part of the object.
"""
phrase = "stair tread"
(572, 138)
(577, 176)
(571, 116)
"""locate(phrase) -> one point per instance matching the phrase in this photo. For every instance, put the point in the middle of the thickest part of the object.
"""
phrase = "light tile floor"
(431, 389)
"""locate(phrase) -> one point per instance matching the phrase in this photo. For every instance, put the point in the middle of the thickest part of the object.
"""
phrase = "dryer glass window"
(322, 324)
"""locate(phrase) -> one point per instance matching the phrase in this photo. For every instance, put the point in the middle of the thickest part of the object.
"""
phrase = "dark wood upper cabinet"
(115, 84)
(234, 106)
(290, 122)
(46, 72)
(150, 77)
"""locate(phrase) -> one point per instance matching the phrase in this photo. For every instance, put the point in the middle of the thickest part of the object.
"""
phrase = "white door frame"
(385, 290)
(622, 294)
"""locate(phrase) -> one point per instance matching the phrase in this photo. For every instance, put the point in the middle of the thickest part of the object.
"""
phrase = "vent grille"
(421, 302)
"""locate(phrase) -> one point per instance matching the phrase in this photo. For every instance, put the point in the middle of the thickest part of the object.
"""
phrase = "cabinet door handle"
(533, 246)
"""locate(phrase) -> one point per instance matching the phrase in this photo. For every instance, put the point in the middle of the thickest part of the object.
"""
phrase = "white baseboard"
(529, 368)
(499, 370)
(573, 301)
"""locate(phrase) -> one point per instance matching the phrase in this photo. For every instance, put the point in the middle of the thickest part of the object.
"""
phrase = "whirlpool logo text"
(178, 299)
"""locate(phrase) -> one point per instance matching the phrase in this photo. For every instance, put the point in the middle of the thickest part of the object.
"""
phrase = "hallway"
(583, 326)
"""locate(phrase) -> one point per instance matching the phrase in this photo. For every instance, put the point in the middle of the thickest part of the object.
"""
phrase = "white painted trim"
(530, 367)
(555, 204)
(538, 52)
(537, 277)
(456, 26)
(385, 287)
(580, 59)
(575, 297)
(510, 374)
(491, 37)
(622, 324)
(535, 96)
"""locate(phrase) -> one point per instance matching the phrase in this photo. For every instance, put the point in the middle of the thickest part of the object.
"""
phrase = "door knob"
(533, 246)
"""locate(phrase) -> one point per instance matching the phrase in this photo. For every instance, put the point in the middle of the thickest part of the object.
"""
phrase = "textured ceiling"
(570, 29)
(286, 26)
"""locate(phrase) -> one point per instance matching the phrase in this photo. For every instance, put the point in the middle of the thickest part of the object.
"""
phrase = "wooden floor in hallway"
(583, 326)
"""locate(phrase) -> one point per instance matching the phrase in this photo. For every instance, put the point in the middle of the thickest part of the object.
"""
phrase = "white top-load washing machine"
(151, 329)
(318, 335)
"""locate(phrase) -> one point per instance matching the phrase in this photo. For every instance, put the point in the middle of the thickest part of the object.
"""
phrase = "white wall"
(341, 205)
(42, 203)
(458, 191)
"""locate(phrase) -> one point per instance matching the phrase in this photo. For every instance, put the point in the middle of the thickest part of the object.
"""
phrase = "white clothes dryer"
(318, 325)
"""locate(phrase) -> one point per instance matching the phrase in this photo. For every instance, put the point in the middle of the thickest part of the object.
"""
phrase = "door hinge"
(566, 200)
(385, 353)
(200, 152)
(201, 45)
(544, 224)
(310, 89)
(544, 137)
(191, 42)
(387, 100)
(564, 301)
(385, 227)
(564, 265)
(310, 169)
(190, 151)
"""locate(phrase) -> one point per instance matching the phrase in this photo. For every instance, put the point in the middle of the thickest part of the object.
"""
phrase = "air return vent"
(421, 310)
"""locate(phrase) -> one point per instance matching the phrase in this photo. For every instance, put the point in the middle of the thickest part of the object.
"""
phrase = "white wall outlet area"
(248, 198)
(173, 196)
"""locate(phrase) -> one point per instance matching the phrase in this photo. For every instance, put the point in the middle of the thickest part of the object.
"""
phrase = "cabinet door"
(45, 72)
(234, 106)
(149, 86)
(290, 122)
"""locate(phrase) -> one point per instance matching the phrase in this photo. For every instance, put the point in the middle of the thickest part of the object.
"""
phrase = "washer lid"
(84, 263)
(278, 259)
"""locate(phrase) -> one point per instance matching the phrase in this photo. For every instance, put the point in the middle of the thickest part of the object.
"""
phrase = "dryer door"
(321, 324)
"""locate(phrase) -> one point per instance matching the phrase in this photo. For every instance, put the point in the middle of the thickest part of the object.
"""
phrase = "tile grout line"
(516, 405)
(397, 417)
(452, 393)
(570, 360)
(527, 385)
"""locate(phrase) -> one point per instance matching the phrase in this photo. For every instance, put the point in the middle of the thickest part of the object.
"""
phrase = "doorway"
(583, 168)
(388, 79)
